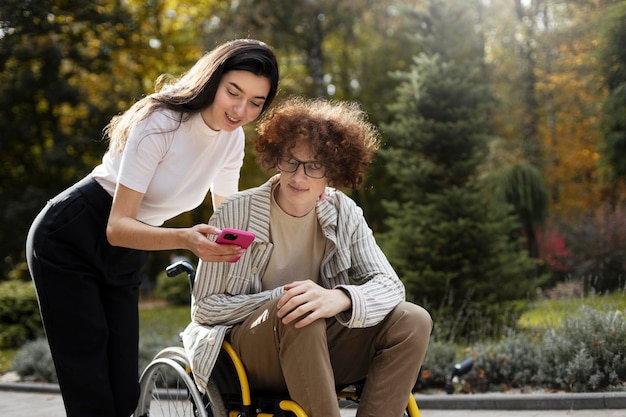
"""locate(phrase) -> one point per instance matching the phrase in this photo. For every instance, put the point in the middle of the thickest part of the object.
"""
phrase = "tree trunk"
(315, 58)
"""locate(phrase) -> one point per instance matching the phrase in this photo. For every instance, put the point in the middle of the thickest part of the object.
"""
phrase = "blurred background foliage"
(503, 123)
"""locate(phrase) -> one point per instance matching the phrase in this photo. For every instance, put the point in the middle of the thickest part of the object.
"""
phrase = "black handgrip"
(180, 267)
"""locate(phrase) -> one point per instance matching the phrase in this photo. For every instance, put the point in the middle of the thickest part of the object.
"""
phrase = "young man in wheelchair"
(313, 303)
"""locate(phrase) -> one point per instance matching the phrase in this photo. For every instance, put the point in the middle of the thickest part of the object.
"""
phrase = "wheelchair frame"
(168, 389)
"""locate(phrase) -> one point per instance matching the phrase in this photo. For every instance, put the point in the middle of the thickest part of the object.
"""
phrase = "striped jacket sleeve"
(360, 268)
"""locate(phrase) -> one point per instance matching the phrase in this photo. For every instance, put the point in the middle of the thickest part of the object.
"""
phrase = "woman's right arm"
(123, 229)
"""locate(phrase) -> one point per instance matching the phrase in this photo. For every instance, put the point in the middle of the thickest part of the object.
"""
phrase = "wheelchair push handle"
(180, 267)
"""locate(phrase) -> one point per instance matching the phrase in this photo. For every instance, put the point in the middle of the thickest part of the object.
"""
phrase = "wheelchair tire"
(167, 390)
(212, 396)
(174, 352)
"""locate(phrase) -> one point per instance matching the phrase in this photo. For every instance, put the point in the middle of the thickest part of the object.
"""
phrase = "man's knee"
(422, 317)
(413, 319)
(314, 330)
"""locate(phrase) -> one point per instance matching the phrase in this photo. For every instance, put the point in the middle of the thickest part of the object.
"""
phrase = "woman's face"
(298, 193)
(239, 99)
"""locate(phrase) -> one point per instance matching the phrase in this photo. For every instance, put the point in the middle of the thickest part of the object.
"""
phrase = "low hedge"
(585, 354)
(20, 320)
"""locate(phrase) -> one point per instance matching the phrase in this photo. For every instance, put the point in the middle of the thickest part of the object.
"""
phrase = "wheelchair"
(167, 387)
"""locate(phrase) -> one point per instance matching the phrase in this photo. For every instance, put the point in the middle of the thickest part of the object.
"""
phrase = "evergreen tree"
(457, 249)
(522, 186)
(613, 68)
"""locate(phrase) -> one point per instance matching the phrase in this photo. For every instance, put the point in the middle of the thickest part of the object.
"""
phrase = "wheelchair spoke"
(168, 391)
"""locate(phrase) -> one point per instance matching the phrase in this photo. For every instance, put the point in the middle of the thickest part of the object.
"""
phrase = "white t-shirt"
(174, 165)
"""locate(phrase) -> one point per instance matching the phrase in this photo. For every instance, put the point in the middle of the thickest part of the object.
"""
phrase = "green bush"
(19, 314)
(34, 362)
(174, 290)
(159, 328)
(511, 362)
(584, 354)
(150, 345)
(437, 367)
(588, 353)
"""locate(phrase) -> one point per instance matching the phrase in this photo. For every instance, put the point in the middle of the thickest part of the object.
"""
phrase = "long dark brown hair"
(195, 90)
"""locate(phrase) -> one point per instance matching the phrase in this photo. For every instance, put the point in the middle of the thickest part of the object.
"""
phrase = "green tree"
(613, 68)
(527, 15)
(65, 69)
(50, 122)
(344, 50)
(522, 186)
(456, 247)
(302, 29)
(605, 260)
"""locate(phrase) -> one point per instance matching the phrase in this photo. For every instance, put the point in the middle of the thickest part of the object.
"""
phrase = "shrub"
(437, 365)
(34, 362)
(587, 353)
(512, 362)
(150, 344)
(598, 242)
(174, 290)
(19, 314)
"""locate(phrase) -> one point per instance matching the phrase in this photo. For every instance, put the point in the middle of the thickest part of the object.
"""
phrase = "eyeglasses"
(312, 169)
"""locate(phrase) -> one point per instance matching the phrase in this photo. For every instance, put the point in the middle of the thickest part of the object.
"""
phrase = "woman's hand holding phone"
(241, 238)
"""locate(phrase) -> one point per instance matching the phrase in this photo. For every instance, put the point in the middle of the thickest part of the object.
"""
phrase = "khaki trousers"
(310, 362)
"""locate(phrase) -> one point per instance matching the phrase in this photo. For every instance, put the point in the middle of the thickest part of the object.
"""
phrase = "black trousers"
(88, 296)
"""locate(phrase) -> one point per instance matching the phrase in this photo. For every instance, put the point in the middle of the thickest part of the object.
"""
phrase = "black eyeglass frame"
(285, 164)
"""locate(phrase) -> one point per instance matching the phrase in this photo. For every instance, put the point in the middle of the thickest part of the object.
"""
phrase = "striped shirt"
(226, 293)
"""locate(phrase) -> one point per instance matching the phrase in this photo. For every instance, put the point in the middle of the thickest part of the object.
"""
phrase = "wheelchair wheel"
(174, 352)
(167, 390)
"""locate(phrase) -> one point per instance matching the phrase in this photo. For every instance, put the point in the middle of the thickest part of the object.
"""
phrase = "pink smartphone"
(237, 237)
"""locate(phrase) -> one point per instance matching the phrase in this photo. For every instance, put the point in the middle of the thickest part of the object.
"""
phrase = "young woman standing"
(86, 247)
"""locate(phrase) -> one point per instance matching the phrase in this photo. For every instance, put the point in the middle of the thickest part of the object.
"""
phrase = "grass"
(6, 357)
(542, 314)
(550, 313)
(157, 320)
(159, 327)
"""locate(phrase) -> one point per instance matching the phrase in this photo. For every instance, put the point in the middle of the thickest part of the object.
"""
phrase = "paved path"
(49, 404)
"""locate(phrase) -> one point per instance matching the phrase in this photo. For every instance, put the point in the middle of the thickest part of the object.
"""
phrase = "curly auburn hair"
(338, 133)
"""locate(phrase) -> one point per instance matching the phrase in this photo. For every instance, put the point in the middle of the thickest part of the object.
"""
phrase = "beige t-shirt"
(298, 248)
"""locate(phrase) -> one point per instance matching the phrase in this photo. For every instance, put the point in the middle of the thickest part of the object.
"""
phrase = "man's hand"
(307, 301)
